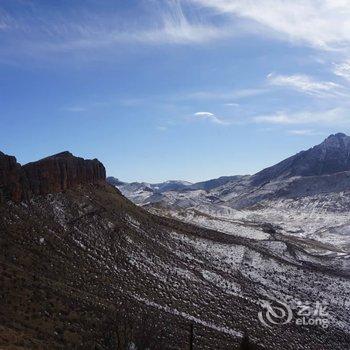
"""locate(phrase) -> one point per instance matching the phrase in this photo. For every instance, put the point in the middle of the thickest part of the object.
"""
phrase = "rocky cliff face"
(62, 171)
(11, 176)
(49, 175)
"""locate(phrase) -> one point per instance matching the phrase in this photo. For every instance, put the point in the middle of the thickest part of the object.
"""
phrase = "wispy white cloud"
(304, 132)
(212, 117)
(306, 84)
(164, 23)
(343, 70)
(323, 24)
(204, 114)
(175, 27)
(171, 31)
(333, 116)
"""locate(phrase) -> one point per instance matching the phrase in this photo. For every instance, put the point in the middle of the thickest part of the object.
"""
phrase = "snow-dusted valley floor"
(321, 222)
(304, 218)
(268, 224)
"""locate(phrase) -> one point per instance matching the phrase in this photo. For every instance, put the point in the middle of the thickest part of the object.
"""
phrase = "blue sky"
(187, 89)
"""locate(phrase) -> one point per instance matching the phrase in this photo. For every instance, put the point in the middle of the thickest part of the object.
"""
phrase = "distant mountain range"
(322, 168)
(314, 184)
(171, 185)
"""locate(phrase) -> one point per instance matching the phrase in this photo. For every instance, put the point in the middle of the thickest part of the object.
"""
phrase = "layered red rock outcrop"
(49, 175)
(62, 171)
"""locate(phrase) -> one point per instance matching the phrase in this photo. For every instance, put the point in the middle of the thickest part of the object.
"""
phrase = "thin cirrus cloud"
(306, 84)
(304, 132)
(343, 70)
(329, 91)
(37, 34)
(171, 31)
(335, 116)
(322, 24)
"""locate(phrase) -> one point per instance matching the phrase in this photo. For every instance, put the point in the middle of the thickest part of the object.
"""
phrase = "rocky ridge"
(329, 157)
(53, 174)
